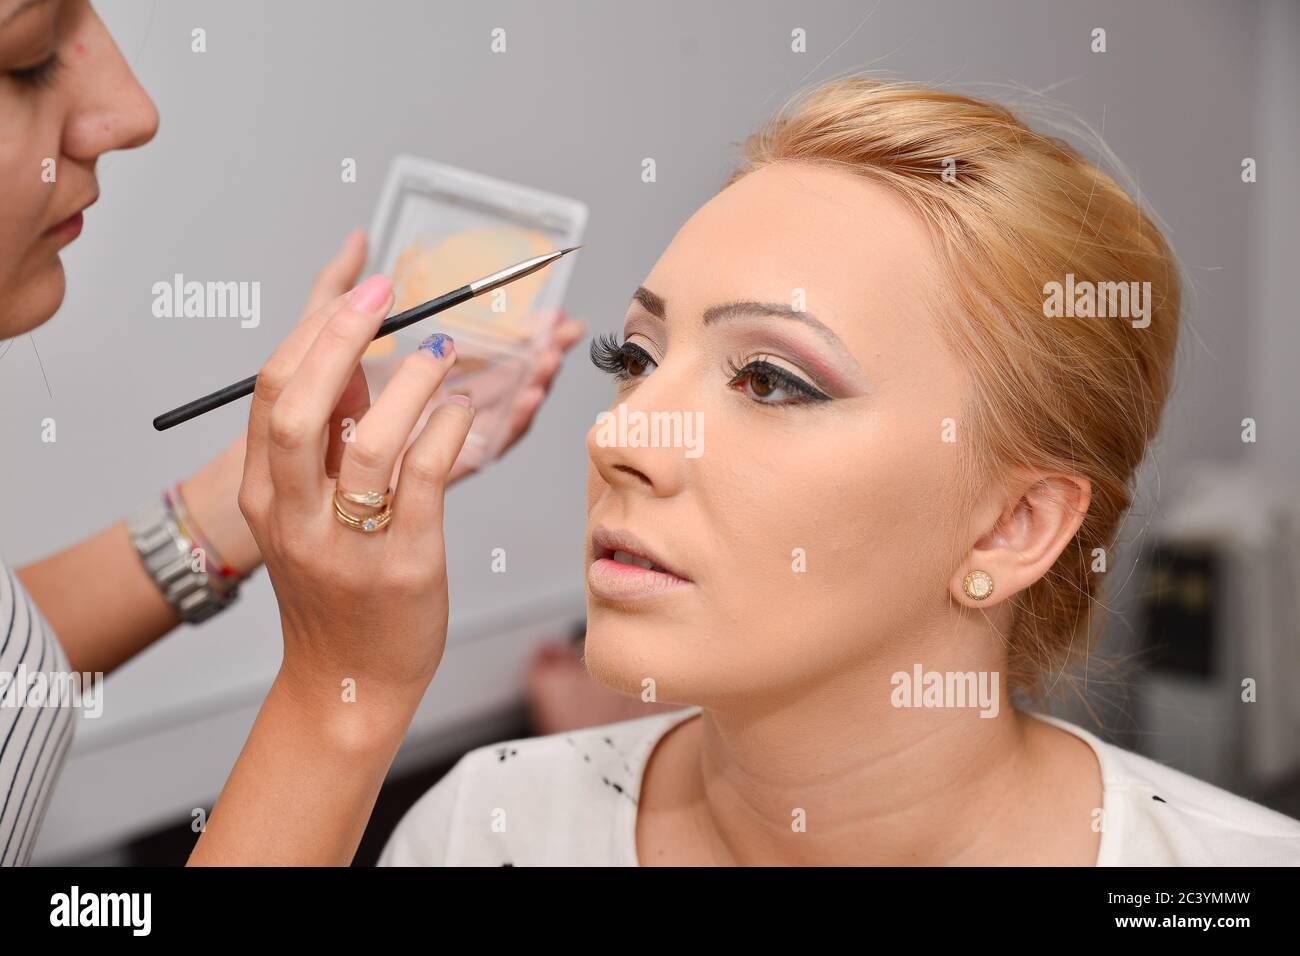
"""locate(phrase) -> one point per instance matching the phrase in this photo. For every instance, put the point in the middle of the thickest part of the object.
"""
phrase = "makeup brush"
(225, 396)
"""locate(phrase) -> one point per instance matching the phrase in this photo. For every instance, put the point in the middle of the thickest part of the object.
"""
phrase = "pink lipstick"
(623, 568)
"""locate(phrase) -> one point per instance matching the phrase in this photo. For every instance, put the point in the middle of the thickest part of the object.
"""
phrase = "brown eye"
(761, 384)
(768, 384)
(625, 361)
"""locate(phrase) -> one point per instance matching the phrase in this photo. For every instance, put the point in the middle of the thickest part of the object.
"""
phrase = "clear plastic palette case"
(437, 228)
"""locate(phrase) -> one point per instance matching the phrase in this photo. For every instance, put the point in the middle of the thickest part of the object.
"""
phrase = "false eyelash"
(42, 74)
(783, 378)
(610, 355)
(607, 353)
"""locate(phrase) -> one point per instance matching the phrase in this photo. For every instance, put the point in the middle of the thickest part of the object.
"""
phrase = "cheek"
(838, 524)
(595, 484)
(25, 143)
(20, 166)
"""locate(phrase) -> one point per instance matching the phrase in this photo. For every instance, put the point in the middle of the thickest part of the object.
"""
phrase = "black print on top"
(620, 787)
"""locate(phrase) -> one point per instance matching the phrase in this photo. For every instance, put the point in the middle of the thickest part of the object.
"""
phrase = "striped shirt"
(34, 740)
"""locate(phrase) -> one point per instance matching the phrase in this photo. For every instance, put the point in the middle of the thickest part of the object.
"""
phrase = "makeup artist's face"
(813, 534)
(66, 98)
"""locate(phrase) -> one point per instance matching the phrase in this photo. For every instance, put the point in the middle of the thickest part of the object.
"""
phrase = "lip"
(617, 580)
(68, 229)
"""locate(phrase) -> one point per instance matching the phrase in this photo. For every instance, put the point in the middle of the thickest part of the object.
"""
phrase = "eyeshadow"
(427, 269)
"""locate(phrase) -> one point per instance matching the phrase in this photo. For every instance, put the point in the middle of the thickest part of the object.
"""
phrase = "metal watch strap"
(165, 552)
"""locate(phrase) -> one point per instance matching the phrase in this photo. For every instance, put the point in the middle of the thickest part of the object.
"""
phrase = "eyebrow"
(20, 10)
(650, 302)
(657, 307)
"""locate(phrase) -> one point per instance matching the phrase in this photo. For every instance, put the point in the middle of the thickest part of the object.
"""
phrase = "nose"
(622, 442)
(110, 109)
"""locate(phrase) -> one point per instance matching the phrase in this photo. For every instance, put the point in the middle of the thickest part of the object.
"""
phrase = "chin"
(30, 300)
(625, 651)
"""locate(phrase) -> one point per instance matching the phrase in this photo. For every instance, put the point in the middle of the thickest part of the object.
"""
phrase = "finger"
(339, 274)
(370, 459)
(546, 367)
(351, 408)
(568, 333)
(529, 400)
(284, 361)
(526, 405)
(519, 417)
(425, 469)
(300, 416)
(272, 378)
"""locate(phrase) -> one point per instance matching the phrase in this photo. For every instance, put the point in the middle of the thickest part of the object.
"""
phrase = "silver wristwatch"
(167, 556)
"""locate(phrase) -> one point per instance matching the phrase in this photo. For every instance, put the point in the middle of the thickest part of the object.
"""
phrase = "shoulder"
(565, 799)
(1157, 816)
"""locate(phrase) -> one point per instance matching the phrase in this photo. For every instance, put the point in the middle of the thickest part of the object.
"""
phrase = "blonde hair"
(1019, 209)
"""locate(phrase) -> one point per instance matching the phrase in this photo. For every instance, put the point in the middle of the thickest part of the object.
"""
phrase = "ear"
(1027, 536)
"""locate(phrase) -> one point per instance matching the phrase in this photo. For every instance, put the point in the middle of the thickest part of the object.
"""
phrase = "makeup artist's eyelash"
(623, 360)
(42, 74)
(772, 378)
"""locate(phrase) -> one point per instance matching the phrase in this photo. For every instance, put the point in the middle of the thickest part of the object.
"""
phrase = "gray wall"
(242, 183)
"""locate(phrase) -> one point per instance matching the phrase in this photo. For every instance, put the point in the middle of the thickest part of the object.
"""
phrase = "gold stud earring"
(977, 585)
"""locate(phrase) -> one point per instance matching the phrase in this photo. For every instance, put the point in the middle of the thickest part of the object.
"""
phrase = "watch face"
(168, 555)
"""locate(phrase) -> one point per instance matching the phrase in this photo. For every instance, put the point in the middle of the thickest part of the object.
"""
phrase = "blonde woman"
(909, 460)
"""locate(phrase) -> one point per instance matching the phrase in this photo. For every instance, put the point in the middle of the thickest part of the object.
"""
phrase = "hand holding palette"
(437, 228)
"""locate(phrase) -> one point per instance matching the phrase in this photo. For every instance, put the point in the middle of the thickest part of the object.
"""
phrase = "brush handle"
(225, 396)
(207, 403)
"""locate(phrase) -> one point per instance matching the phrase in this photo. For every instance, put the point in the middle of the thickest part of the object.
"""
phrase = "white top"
(570, 800)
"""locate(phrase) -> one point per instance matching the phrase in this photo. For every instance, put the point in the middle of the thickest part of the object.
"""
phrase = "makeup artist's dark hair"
(1011, 210)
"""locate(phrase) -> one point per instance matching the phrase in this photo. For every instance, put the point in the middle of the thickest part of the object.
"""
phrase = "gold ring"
(367, 523)
(371, 499)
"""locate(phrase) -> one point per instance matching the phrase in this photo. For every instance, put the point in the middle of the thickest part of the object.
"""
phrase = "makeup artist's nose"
(621, 444)
(110, 110)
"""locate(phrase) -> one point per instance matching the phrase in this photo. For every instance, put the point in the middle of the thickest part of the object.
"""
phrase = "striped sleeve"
(35, 730)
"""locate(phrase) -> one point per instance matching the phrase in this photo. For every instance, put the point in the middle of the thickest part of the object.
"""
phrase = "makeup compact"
(437, 227)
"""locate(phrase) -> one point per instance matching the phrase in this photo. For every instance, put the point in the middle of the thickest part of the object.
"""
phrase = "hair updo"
(1017, 210)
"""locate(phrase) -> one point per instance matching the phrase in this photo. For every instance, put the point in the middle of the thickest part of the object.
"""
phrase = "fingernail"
(438, 344)
(462, 400)
(371, 294)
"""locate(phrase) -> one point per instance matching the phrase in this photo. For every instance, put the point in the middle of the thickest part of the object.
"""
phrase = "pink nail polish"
(371, 294)
(462, 400)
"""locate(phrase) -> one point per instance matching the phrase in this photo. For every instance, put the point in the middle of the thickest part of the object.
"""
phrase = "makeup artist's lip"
(618, 567)
(68, 229)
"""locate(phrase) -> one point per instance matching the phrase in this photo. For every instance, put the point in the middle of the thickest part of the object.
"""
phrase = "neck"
(871, 782)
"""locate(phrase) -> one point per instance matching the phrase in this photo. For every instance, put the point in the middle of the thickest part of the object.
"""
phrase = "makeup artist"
(306, 781)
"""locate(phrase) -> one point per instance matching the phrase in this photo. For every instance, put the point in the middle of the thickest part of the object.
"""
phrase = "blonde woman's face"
(810, 525)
